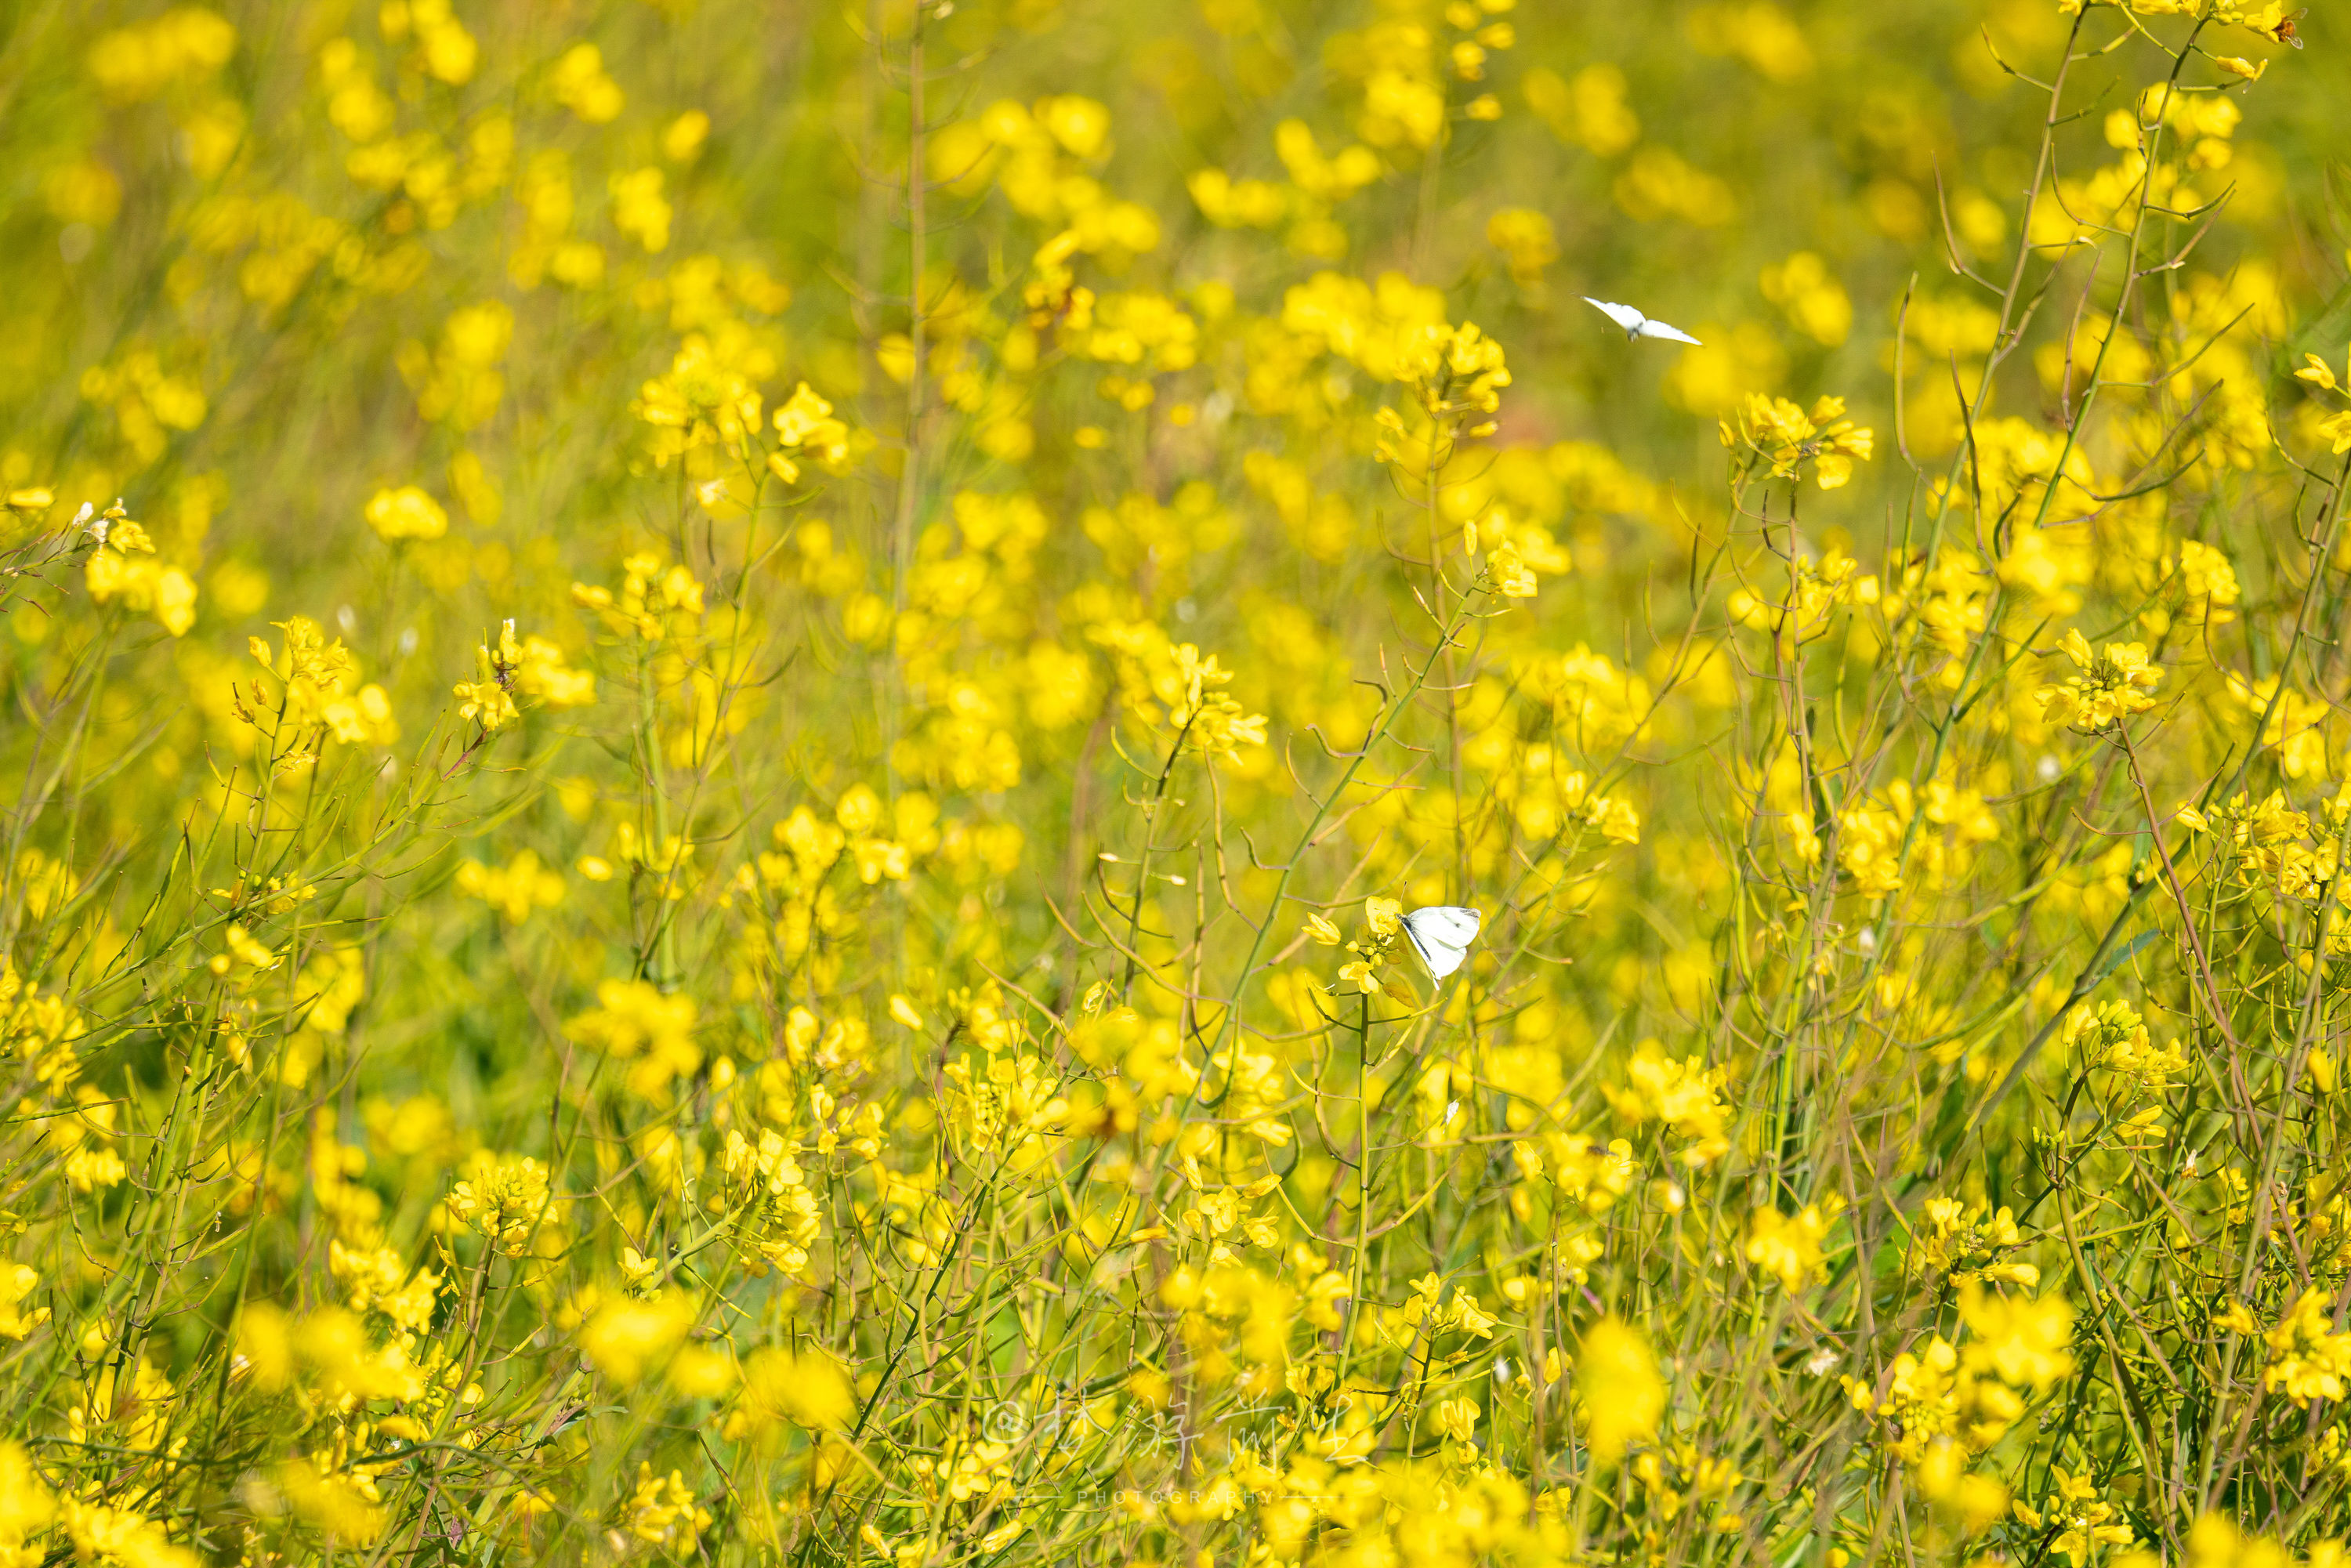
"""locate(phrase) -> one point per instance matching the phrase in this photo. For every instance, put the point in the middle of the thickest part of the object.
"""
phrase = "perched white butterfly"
(1441, 935)
(1636, 325)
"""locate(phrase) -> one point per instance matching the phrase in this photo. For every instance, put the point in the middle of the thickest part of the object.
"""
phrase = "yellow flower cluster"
(1783, 438)
(122, 569)
(2113, 686)
(503, 1199)
(1965, 1244)
(531, 667)
(2308, 1359)
(1789, 1247)
(1973, 1392)
(2113, 1036)
(1171, 874)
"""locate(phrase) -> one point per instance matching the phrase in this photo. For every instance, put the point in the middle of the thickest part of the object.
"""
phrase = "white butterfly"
(1441, 935)
(1636, 325)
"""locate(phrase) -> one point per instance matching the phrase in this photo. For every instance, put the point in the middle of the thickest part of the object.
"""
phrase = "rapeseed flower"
(1065, 545)
(2307, 1360)
(1617, 1381)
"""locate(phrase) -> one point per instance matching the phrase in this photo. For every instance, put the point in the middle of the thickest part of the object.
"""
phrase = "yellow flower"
(2214, 1540)
(17, 1282)
(808, 1389)
(1977, 1501)
(1469, 1319)
(805, 424)
(627, 1339)
(2112, 686)
(2022, 1340)
(144, 585)
(579, 84)
(1686, 1095)
(1785, 438)
(2308, 1360)
(2084, 1522)
(26, 1505)
(407, 513)
(1788, 1247)
(634, 1022)
(1620, 1395)
(1524, 237)
(1383, 915)
(1921, 1402)
(1965, 1244)
(338, 1504)
(103, 1534)
(2237, 1318)
(663, 1512)
(531, 667)
(2111, 1036)
(1512, 576)
(488, 703)
(514, 890)
(503, 1199)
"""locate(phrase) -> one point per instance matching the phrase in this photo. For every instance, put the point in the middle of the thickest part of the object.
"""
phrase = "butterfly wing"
(1659, 329)
(1455, 923)
(1441, 935)
(1624, 315)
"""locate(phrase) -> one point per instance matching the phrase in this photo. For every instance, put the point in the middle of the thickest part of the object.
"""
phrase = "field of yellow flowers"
(722, 720)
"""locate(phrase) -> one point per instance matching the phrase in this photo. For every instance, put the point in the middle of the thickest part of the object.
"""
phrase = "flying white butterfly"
(1441, 935)
(1636, 325)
